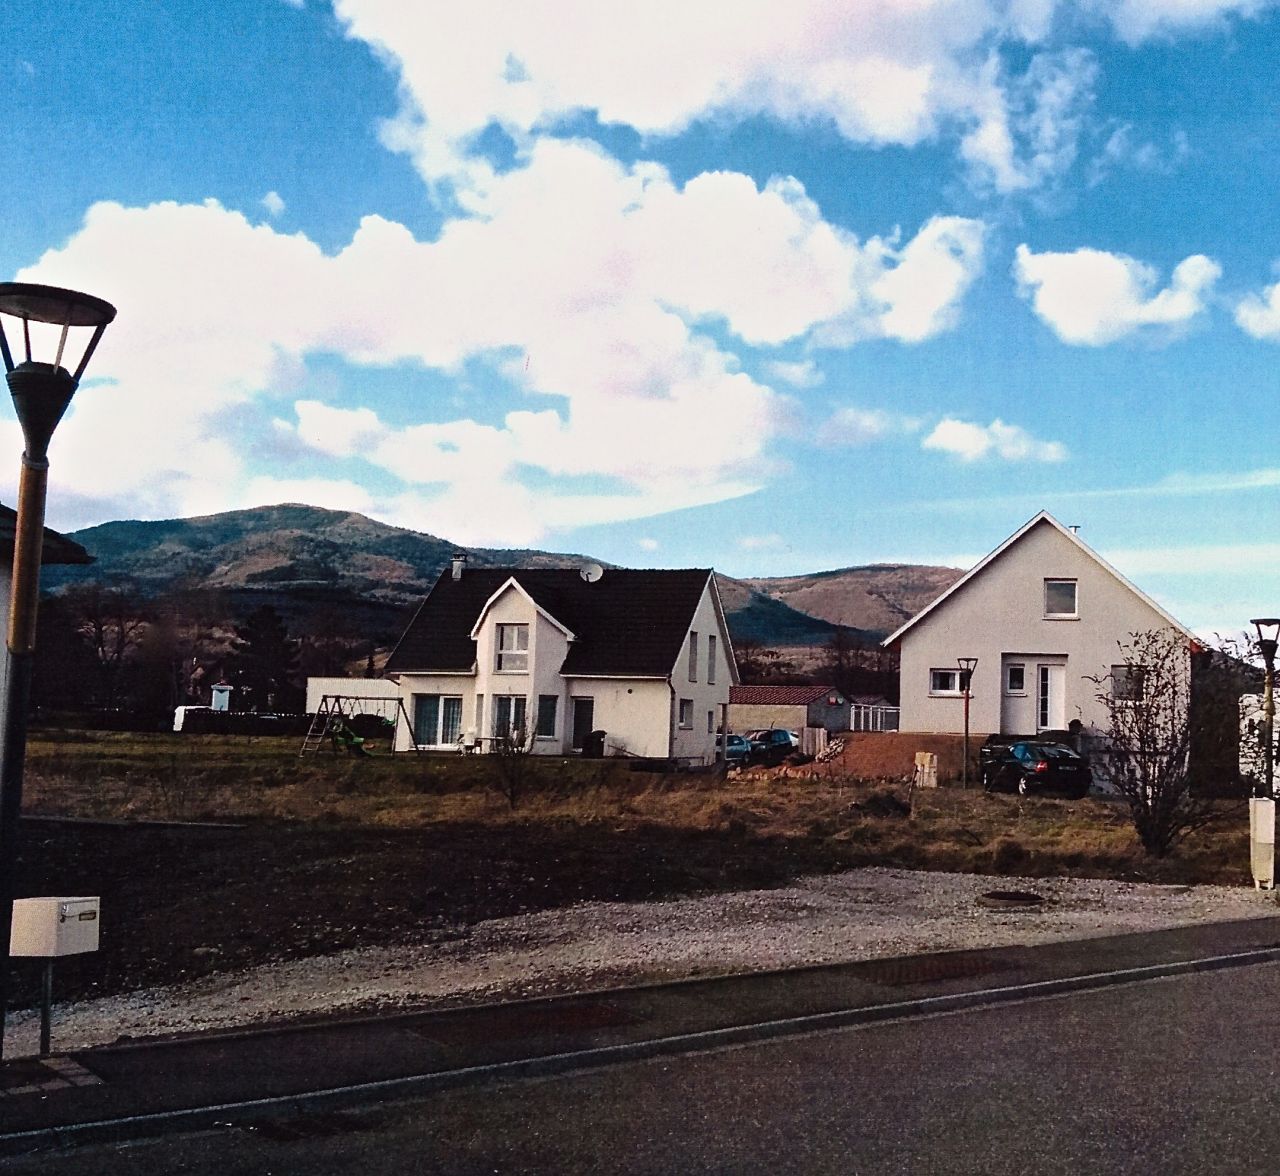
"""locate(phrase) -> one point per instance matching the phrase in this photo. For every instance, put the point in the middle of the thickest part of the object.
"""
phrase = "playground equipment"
(337, 718)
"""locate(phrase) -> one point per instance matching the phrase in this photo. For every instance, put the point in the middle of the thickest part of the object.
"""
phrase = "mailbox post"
(46, 928)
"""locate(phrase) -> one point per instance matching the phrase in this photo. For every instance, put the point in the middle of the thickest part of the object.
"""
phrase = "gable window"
(1060, 599)
(513, 647)
(693, 657)
(944, 681)
(547, 716)
(686, 713)
(1015, 679)
(1128, 683)
(711, 661)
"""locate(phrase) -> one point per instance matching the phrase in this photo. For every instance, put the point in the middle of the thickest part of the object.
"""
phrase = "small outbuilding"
(790, 707)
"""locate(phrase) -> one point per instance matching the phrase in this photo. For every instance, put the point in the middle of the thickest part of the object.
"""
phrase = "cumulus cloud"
(273, 202)
(1091, 297)
(889, 73)
(798, 373)
(1124, 149)
(971, 442)
(1136, 21)
(1259, 314)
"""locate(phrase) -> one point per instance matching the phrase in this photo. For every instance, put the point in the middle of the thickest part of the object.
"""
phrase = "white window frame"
(438, 738)
(936, 691)
(1009, 688)
(511, 648)
(1074, 614)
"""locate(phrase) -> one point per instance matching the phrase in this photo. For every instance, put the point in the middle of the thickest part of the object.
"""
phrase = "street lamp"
(41, 392)
(967, 666)
(1268, 635)
(1262, 808)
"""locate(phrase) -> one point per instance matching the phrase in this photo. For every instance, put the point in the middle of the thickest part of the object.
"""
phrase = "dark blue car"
(1032, 766)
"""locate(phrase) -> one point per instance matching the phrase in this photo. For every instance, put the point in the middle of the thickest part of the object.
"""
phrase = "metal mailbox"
(50, 927)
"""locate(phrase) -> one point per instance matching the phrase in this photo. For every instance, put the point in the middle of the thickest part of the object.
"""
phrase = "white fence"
(874, 718)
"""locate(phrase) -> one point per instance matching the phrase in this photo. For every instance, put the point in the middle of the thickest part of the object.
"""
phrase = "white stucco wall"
(459, 685)
(707, 697)
(999, 616)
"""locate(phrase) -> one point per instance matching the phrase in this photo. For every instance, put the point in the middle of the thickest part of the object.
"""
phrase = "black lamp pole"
(1268, 631)
(41, 393)
(967, 666)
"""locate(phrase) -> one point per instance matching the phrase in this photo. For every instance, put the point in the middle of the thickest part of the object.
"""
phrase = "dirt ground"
(180, 901)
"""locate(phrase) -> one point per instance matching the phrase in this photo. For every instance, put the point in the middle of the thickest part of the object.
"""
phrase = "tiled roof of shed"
(779, 695)
(629, 623)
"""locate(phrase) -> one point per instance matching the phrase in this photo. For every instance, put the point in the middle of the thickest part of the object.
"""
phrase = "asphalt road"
(1171, 1076)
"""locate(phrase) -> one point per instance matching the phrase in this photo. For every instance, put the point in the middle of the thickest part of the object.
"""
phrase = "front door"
(584, 720)
(1051, 703)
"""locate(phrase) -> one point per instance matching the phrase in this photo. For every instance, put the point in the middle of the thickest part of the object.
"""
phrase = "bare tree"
(512, 760)
(1152, 728)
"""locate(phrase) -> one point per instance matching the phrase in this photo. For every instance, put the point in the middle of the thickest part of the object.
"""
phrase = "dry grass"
(220, 778)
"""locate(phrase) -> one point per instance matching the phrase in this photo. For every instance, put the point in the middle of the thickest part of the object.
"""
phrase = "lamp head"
(1268, 637)
(42, 389)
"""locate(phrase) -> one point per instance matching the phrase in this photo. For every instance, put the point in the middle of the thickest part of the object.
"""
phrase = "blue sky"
(774, 288)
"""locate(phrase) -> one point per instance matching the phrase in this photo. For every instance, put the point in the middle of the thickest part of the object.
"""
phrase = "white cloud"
(331, 493)
(648, 544)
(853, 426)
(1259, 314)
(273, 202)
(1141, 20)
(885, 73)
(970, 442)
(799, 374)
(1091, 297)
(1123, 149)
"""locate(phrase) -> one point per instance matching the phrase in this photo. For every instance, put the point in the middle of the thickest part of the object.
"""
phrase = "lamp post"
(41, 392)
(1262, 807)
(967, 666)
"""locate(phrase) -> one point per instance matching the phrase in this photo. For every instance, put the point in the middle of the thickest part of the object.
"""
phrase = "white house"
(557, 654)
(1044, 615)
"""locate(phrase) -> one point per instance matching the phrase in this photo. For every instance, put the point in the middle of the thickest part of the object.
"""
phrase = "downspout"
(671, 719)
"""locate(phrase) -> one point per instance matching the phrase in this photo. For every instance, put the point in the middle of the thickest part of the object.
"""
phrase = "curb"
(548, 1065)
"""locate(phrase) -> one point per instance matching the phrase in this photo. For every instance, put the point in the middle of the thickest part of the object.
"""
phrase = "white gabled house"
(643, 656)
(1044, 615)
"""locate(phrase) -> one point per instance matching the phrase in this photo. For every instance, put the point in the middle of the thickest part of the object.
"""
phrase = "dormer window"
(513, 648)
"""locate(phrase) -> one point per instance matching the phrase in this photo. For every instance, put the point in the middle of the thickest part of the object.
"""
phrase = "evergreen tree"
(264, 663)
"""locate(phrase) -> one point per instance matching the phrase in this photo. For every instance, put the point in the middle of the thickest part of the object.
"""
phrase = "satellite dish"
(591, 572)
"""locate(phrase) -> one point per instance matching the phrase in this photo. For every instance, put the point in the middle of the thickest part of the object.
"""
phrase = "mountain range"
(303, 558)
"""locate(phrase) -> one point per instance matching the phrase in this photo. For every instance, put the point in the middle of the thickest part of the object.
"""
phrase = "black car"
(1028, 766)
(772, 746)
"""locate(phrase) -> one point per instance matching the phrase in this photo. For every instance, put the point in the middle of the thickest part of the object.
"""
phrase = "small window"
(1015, 679)
(711, 722)
(547, 716)
(1128, 683)
(686, 713)
(693, 657)
(711, 661)
(1060, 598)
(513, 647)
(944, 681)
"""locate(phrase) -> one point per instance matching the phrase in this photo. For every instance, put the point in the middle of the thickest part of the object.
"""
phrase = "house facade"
(1045, 616)
(789, 707)
(554, 655)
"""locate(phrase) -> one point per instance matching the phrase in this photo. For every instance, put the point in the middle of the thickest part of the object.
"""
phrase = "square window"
(1015, 679)
(1060, 598)
(1128, 683)
(944, 681)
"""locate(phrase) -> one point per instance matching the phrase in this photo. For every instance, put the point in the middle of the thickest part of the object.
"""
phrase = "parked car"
(1029, 766)
(736, 749)
(772, 746)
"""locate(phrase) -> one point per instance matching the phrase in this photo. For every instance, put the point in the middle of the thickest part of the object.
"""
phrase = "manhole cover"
(1010, 900)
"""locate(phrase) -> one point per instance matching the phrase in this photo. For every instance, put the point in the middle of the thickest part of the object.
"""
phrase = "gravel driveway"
(859, 914)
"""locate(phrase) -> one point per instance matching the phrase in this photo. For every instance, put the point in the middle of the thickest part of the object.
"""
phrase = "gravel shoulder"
(853, 915)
